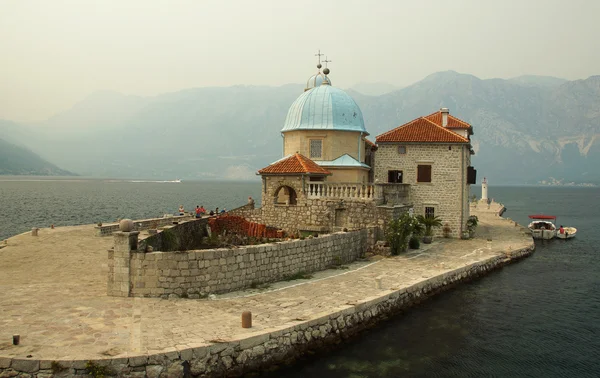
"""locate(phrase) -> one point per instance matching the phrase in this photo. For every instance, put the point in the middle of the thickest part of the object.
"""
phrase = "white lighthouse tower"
(484, 191)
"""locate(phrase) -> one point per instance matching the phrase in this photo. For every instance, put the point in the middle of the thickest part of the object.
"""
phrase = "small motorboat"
(542, 226)
(566, 232)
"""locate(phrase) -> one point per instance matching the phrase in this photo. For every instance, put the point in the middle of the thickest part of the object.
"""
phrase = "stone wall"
(183, 236)
(195, 274)
(261, 350)
(142, 224)
(447, 193)
(321, 214)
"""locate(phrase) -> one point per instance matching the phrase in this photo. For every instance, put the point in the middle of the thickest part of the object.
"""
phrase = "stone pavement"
(53, 293)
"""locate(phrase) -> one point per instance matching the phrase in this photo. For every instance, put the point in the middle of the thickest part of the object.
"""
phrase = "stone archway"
(285, 195)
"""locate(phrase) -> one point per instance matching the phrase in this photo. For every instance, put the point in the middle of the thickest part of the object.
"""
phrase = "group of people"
(201, 211)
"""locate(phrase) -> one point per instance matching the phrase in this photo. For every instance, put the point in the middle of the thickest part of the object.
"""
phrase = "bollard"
(378, 283)
(34, 231)
(16, 339)
(246, 319)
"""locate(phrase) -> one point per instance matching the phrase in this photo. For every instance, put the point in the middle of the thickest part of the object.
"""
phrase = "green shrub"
(399, 231)
(96, 370)
(56, 367)
(299, 276)
(414, 242)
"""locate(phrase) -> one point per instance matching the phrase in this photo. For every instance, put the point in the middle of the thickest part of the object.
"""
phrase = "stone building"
(324, 182)
(432, 154)
(331, 177)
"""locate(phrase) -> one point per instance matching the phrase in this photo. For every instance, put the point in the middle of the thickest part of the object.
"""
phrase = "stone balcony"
(392, 194)
(382, 194)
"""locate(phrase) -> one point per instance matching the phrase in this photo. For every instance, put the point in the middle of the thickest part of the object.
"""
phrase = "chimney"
(445, 113)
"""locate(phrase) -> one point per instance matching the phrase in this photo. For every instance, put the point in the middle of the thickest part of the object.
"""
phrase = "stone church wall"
(321, 214)
(447, 192)
(194, 274)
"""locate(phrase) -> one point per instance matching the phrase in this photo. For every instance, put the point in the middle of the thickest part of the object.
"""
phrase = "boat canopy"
(542, 217)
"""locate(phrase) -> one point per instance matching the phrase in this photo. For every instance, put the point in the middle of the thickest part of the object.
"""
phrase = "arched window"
(285, 195)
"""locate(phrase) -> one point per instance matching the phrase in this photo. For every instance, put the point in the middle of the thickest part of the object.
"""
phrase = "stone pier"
(53, 294)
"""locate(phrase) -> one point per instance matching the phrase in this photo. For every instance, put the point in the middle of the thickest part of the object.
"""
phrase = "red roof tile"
(421, 130)
(371, 144)
(453, 122)
(294, 164)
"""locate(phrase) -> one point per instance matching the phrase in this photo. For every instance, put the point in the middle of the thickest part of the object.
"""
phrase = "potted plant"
(472, 223)
(429, 223)
(447, 230)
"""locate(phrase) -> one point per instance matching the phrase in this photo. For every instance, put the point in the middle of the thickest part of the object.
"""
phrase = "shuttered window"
(423, 173)
(471, 175)
(316, 148)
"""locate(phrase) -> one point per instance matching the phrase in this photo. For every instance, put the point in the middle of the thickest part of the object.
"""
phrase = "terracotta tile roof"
(294, 164)
(421, 130)
(371, 144)
(453, 122)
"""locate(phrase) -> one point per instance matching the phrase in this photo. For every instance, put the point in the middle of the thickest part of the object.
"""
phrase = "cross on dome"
(320, 78)
(319, 55)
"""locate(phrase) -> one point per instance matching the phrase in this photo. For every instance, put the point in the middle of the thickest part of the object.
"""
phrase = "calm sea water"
(539, 317)
(536, 318)
(35, 202)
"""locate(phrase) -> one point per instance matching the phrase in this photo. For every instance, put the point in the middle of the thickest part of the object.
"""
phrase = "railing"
(340, 190)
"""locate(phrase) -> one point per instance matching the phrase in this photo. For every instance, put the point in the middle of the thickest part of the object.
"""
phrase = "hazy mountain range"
(526, 129)
(17, 160)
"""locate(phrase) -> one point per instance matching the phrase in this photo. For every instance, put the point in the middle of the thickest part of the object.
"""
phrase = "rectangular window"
(423, 173)
(395, 177)
(316, 148)
(429, 212)
(401, 150)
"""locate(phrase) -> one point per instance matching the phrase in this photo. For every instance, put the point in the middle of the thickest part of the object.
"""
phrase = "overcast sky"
(54, 53)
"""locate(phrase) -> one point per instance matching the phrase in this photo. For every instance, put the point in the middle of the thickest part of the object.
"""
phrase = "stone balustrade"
(344, 190)
(384, 193)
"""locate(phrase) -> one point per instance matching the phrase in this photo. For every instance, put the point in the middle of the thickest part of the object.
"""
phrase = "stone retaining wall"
(183, 236)
(195, 274)
(247, 211)
(261, 350)
(142, 224)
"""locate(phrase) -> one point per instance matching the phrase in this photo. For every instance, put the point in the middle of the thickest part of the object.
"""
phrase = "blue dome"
(324, 108)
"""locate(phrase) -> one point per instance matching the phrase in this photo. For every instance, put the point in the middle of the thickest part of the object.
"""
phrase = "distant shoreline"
(169, 180)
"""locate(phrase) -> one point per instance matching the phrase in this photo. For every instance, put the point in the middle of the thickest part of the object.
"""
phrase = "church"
(331, 177)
